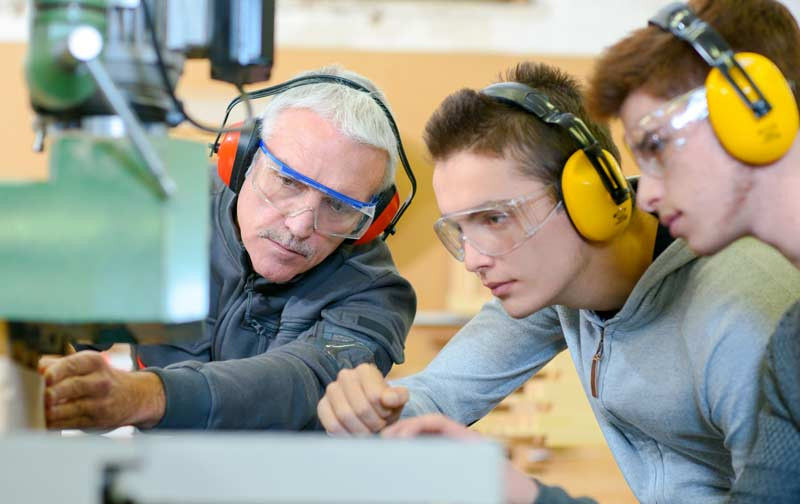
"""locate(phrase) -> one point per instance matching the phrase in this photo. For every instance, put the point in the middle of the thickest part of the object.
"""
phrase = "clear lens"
(290, 195)
(658, 134)
(450, 235)
(495, 229)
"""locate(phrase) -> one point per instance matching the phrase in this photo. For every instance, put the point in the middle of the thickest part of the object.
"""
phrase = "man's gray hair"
(354, 113)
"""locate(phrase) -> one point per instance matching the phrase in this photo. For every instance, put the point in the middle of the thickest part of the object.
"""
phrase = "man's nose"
(474, 259)
(649, 193)
(301, 223)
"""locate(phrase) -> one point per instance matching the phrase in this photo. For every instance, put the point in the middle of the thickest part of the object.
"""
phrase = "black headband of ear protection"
(538, 104)
(677, 18)
(333, 79)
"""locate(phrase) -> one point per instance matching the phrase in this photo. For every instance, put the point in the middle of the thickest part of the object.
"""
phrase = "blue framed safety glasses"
(292, 193)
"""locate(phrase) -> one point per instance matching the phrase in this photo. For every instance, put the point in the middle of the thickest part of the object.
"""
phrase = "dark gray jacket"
(772, 471)
(269, 350)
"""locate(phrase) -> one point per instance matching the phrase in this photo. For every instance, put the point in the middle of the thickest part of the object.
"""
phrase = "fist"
(360, 401)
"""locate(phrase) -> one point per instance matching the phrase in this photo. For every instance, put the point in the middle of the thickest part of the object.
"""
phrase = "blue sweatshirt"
(676, 386)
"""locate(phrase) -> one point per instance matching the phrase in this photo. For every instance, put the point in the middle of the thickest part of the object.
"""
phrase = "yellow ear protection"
(236, 149)
(750, 104)
(596, 194)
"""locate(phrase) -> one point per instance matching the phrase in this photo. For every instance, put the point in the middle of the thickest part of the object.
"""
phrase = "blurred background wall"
(417, 51)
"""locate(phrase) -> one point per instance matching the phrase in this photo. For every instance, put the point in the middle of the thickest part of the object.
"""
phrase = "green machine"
(114, 245)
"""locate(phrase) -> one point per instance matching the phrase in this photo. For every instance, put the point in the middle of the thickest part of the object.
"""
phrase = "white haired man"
(294, 297)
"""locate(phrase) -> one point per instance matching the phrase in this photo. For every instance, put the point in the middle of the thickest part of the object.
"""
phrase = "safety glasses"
(658, 135)
(293, 193)
(496, 228)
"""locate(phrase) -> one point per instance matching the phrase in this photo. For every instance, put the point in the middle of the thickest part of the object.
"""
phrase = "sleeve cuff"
(187, 398)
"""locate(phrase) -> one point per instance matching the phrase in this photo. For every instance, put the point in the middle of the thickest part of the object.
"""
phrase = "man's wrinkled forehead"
(316, 148)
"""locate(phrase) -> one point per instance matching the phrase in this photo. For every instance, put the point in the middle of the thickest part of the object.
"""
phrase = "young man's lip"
(498, 288)
(492, 285)
(668, 220)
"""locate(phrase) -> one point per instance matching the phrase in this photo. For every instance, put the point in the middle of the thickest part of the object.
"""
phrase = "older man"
(293, 298)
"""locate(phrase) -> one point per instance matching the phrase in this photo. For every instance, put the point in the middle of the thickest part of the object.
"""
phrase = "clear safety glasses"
(496, 228)
(292, 193)
(659, 134)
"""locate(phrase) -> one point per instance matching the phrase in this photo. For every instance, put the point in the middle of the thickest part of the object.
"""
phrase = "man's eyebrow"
(487, 204)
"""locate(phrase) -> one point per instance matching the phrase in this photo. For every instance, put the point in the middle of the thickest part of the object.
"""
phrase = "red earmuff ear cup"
(382, 220)
(226, 154)
(236, 151)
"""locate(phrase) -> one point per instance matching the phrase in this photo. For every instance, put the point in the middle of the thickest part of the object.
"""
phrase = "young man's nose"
(649, 193)
(474, 259)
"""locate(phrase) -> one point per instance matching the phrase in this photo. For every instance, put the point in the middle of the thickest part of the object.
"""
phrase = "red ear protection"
(235, 152)
(387, 206)
(226, 154)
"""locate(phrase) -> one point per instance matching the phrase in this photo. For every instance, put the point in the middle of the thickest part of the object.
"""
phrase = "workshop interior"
(115, 113)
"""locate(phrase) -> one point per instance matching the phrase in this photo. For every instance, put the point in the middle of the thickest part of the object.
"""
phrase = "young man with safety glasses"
(720, 159)
(294, 298)
(666, 344)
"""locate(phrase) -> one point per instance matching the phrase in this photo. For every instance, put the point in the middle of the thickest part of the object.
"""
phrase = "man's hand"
(82, 391)
(436, 424)
(520, 489)
(360, 402)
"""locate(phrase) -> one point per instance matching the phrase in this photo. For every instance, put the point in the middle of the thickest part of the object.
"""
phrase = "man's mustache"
(287, 241)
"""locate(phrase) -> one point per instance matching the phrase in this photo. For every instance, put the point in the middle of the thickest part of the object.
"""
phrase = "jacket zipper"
(248, 319)
(598, 354)
(247, 296)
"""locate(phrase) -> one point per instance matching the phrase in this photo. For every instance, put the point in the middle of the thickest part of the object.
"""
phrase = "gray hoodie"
(677, 379)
